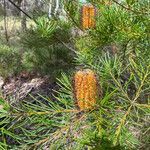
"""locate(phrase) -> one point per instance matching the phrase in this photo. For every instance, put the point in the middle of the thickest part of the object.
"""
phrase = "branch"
(66, 45)
(122, 122)
(143, 105)
(73, 20)
(20, 9)
(125, 7)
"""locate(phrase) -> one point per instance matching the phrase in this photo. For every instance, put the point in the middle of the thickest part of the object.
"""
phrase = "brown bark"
(23, 16)
(5, 22)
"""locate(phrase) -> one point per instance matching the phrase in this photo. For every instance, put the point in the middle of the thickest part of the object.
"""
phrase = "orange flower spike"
(86, 90)
(79, 92)
(85, 15)
(92, 88)
(91, 16)
(88, 16)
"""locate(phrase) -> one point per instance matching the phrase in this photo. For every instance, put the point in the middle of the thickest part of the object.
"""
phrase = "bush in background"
(45, 45)
(10, 61)
(44, 48)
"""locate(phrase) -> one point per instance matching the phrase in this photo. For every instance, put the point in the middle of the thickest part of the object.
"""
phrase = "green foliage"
(48, 119)
(126, 100)
(45, 43)
(118, 51)
(117, 123)
(72, 9)
(117, 30)
(9, 61)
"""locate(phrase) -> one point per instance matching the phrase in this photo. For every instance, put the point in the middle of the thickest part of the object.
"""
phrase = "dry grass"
(13, 25)
(13, 28)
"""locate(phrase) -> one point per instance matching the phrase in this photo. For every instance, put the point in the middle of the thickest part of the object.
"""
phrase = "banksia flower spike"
(86, 89)
(88, 14)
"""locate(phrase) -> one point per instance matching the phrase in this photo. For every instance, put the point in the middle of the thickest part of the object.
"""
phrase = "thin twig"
(140, 88)
(127, 8)
(73, 50)
(142, 105)
(48, 112)
(122, 122)
(20, 9)
(121, 88)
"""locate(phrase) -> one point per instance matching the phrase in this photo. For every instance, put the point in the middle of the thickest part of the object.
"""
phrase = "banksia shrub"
(86, 89)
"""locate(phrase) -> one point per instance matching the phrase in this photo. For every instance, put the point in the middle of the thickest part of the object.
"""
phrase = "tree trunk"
(23, 16)
(50, 9)
(5, 21)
